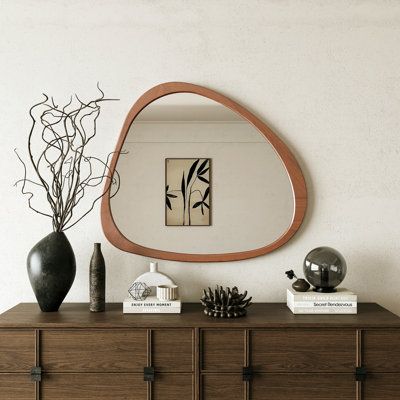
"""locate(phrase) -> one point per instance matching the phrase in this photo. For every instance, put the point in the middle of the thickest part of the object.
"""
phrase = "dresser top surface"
(260, 315)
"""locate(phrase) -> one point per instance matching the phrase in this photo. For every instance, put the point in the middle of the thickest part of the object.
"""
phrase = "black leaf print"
(191, 171)
(206, 193)
(202, 166)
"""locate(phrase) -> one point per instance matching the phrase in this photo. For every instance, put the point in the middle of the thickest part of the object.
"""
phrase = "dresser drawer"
(223, 350)
(305, 350)
(93, 387)
(16, 387)
(381, 350)
(222, 386)
(172, 387)
(17, 351)
(94, 351)
(172, 350)
(304, 387)
(381, 387)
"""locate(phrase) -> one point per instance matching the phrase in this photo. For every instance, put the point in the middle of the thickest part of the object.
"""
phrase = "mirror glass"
(198, 178)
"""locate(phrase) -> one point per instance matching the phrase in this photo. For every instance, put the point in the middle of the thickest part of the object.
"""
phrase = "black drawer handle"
(36, 374)
(149, 374)
(361, 374)
(247, 374)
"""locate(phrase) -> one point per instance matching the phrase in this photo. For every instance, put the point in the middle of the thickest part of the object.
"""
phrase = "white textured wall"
(325, 75)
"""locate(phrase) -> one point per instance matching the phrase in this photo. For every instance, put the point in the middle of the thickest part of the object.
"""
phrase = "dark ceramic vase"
(301, 285)
(51, 270)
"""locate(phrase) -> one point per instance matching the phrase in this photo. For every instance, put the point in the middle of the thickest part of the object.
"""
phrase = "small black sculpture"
(300, 285)
(225, 303)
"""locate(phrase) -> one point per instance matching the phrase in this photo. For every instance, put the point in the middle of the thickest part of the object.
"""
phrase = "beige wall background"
(324, 75)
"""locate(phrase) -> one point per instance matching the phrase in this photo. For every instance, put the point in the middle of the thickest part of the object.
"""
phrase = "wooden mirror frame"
(115, 236)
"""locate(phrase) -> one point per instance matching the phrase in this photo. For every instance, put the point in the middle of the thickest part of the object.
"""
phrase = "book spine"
(333, 300)
(310, 296)
(151, 310)
(351, 297)
(317, 310)
(311, 308)
(324, 304)
(150, 305)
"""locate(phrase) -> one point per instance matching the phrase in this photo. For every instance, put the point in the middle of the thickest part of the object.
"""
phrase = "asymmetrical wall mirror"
(202, 180)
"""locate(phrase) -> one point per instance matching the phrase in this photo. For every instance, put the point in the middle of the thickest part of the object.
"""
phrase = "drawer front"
(222, 386)
(223, 350)
(16, 387)
(381, 387)
(381, 350)
(303, 387)
(17, 351)
(94, 351)
(302, 350)
(172, 350)
(172, 387)
(93, 387)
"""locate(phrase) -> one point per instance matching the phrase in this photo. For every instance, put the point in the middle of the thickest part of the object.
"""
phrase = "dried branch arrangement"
(65, 174)
(225, 303)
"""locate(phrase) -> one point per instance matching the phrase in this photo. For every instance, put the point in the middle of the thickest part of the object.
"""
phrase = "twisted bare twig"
(63, 169)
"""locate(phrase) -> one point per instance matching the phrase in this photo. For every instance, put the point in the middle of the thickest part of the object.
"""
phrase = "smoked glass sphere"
(325, 268)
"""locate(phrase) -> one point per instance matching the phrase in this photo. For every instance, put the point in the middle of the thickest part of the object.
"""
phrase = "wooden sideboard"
(269, 354)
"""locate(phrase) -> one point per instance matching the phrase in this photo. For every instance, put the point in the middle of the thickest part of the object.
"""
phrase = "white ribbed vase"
(167, 292)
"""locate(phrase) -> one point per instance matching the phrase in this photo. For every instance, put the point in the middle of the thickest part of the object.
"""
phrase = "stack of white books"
(341, 302)
(151, 306)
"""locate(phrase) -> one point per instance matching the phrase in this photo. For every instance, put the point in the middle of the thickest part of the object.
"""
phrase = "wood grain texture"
(173, 387)
(115, 236)
(16, 387)
(303, 387)
(381, 350)
(94, 351)
(359, 361)
(197, 363)
(261, 315)
(381, 387)
(222, 386)
(172, 350)
(93, 387)
(223, 350)
(303, 350)
(17, 351)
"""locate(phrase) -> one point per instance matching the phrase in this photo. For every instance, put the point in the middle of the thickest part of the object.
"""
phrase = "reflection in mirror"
(249, 203)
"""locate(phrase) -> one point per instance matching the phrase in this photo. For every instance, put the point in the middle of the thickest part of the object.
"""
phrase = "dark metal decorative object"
(225, 303)
(139, 291)
(300, 284)
(325, 268)
(97, 278)
(51, 270)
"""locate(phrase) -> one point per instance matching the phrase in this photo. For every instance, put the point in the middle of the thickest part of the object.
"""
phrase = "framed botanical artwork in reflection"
(187, 191)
